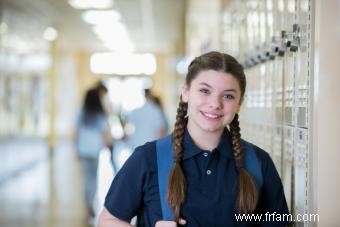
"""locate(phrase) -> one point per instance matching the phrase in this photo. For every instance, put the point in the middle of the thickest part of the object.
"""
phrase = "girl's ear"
(239, 105)
(185, 93)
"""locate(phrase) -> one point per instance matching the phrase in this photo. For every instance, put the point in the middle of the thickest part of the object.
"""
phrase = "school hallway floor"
(49, 192)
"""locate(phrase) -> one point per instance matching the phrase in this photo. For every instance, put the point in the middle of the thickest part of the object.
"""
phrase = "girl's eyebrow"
(207, 85)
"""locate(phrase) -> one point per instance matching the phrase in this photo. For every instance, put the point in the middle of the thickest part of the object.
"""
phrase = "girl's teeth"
(211, 115)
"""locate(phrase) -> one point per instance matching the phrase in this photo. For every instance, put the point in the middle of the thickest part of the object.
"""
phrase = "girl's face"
(213, 99)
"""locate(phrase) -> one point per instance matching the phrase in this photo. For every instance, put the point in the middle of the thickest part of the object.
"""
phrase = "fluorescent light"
(91, 4)
(114, 36)
(123, 63)
(101, 16)
(50, 34)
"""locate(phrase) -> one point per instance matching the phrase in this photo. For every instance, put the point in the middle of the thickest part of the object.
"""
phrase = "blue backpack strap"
(165, 161)
(253, 164)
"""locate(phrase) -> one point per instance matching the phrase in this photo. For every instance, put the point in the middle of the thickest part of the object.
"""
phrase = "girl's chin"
(213, 129)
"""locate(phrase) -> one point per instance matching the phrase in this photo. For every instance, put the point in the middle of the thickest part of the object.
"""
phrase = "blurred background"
(53, 51)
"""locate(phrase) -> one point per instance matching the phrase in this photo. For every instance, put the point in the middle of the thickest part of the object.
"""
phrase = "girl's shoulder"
(145, 156)
(261, 154)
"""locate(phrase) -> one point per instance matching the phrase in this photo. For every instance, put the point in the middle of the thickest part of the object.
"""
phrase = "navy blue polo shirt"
(212, 187)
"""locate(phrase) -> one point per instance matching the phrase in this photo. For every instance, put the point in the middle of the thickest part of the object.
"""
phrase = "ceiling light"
(114, 36)
(123, 63)
(91, 4)
(101, 16)
(50, 34)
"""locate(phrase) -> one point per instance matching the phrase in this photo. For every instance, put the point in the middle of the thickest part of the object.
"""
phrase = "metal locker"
(278, 95)
(290, 13)
(250, 133)
(269, 95)
(301, 173)
(302, 89)
(289, 89)
(268, 138)
(278, 89)
(277, 148)
(302, 72)
(279, 16)
(288, 164)
(269, 20)
(262, 93)
(259, 135)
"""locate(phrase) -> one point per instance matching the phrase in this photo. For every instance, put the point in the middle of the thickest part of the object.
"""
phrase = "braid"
(236, 141)
(177, 181)
(248, 194)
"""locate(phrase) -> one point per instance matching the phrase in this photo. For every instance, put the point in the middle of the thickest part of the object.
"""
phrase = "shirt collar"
(191, 149)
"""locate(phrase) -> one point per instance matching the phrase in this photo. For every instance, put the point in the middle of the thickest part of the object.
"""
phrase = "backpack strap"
(253, 164)
(165, 161)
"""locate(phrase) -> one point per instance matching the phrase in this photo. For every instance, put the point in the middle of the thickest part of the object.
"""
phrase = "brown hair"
(248, 194)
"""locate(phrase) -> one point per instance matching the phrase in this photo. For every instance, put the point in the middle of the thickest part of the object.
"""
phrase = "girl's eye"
(228, 96)
(204, 91)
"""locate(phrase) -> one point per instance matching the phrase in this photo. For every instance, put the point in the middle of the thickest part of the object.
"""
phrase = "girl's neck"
(205, 140)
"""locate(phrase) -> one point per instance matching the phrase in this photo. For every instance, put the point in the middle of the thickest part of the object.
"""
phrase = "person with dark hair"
(210, 182)
(104, 98)
(92, 135)
(158, 102)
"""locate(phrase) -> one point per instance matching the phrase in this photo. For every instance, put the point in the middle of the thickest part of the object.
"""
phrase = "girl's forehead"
(216, 79)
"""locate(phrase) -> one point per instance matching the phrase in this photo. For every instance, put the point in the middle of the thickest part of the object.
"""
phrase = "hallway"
(49, 193)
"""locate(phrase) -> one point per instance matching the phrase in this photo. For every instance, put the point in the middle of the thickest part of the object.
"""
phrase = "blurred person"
(145, 123)
(92, 135)
(104, 98)
(212, 176)
(158, 102)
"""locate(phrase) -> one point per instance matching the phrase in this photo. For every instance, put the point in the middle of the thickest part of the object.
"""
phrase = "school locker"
(277, 148)
(288, 164)
(301, 174)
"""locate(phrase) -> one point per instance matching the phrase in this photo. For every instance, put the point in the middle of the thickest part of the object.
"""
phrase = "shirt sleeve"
(272, 199)
(124, 197)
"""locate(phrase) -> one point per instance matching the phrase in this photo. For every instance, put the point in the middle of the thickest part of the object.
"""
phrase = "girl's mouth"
(212, 116)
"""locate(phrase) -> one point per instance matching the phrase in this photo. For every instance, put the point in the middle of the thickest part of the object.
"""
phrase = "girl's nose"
(215, 103)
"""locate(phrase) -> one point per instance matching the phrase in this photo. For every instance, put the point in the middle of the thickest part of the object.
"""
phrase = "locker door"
(268, 138)
(302, 72)
(269, 91)
(301, 176)
(288, 164)
(289, 76)
(278, 90)
(277, 148)
(289, 90)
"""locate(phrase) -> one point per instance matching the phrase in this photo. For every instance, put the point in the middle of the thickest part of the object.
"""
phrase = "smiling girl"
(209, 184)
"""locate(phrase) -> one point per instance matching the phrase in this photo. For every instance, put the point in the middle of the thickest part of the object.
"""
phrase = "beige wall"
(86, 79)
(327, 113)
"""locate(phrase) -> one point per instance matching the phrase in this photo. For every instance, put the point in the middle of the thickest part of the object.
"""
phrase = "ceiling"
(153, 25)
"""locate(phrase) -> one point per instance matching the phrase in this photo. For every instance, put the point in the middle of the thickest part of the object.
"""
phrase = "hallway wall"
(326, 168)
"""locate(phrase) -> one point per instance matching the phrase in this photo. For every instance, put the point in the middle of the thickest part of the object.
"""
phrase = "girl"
(208, 184)
(92, 135)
